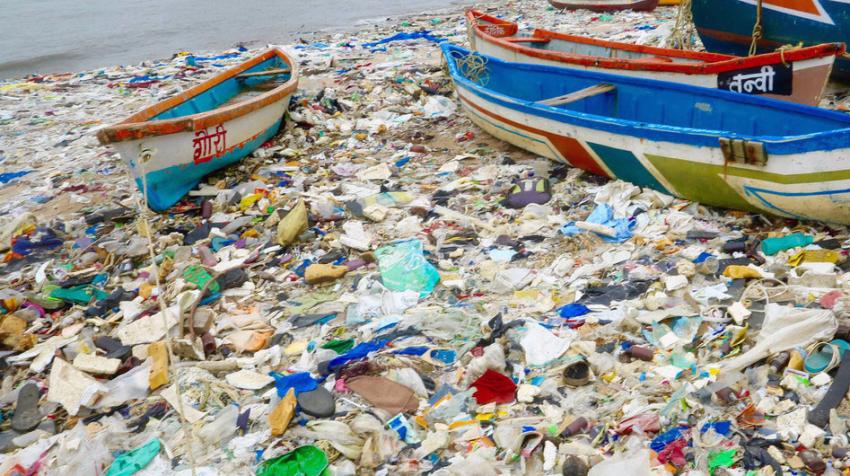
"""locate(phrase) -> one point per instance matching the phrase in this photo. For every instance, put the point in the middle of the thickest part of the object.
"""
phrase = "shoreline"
(283, 37)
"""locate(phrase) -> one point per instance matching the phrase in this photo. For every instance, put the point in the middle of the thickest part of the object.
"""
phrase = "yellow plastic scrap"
(248, 201)
(292, 225)
(814, 256)
(159, 371)
(738, 272)
(281, 416)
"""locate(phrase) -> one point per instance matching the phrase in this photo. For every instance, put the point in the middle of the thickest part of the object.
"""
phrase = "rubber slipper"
(384, 393)
(834, 396)
(577, 374)
(530, 442)
(533, 190)
(26, 415)
(304, 320)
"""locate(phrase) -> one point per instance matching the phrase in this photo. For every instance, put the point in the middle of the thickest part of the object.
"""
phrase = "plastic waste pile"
(385, 289)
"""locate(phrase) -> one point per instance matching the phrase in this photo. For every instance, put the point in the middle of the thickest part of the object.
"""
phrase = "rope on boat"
(144, 210)
(473, 67)
(757, 30)
(684, 34)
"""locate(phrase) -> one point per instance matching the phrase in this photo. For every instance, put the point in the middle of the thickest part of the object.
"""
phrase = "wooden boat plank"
(574, 96)
(268, 72)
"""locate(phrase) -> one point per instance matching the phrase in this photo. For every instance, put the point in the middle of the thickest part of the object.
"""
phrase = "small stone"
(318, 403)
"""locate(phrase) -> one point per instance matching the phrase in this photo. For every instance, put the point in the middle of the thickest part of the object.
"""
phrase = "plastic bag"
(404, 268)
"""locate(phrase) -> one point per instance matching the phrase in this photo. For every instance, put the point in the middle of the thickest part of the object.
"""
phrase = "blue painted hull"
(726, 26)
(172, 145)
(711, 146)
(167, 186)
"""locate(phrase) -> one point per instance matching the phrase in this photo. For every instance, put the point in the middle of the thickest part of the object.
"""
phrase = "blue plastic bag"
(604, 215)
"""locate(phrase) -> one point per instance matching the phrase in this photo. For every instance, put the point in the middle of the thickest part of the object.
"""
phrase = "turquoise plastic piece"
(404, 268)
(133, 461)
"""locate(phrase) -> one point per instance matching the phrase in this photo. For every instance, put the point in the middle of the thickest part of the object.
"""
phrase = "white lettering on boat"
(747, 83)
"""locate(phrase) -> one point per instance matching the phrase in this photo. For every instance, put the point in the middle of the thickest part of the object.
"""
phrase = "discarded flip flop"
(834, 396)
(317, 403)
(384, 393)
(304, 320)
(27, 416)
(530, 442)
(534, 190)
(577, 374)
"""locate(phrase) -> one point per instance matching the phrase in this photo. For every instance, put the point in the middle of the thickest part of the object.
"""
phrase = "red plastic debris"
(494, 387)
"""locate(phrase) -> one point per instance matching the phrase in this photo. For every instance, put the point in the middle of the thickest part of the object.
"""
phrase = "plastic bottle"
(222, 427)
(771, 246)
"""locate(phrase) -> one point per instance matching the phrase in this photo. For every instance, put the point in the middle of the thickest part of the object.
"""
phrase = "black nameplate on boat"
(767, 79)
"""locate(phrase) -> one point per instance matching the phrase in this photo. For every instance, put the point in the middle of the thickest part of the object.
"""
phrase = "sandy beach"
(361, 295)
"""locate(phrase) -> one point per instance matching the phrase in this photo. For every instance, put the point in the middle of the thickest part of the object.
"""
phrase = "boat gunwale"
(139, 125)
(613, 122)
(721, 63)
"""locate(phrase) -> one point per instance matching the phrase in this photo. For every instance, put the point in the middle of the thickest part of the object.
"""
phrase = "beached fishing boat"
(711, 146)
(798, 75)
(604, 5)
(171, 145)
(726, 26)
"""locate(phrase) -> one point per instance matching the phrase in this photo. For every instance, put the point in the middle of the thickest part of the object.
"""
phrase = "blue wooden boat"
(726, 26)
(708, 145)
(171, 145)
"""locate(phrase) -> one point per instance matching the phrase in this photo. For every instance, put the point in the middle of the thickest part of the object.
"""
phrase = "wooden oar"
(269, 72)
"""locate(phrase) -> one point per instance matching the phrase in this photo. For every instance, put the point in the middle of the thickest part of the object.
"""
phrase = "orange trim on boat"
(139, 124)
(711, 63)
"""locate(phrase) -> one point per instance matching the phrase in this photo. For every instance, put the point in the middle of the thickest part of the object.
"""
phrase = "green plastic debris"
(82, 294)
(771, 246)
(133, 461)
(198, 276)
(339, 346)
(721, 459)
(302, 461)
(404, 268)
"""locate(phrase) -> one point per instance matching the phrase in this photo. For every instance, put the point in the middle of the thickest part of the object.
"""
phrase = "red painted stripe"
(711, 63)
(571, 149)
(139, 124)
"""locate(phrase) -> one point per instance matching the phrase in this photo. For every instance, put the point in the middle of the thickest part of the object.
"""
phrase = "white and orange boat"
(171, 145)
(797, 75)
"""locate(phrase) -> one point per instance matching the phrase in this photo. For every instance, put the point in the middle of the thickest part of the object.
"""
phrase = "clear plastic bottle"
(222, 427)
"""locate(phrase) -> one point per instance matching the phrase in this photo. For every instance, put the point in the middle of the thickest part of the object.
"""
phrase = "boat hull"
(170, 146)
(636, 5)
(810, 182)
(165, 167)
(726, 25)
(803, 81)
